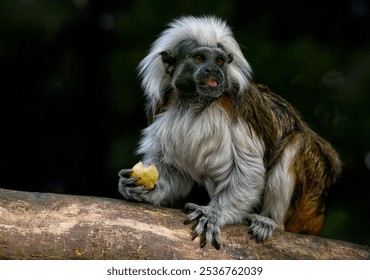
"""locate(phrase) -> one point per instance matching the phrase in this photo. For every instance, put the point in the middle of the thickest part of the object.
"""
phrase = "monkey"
(211, 125)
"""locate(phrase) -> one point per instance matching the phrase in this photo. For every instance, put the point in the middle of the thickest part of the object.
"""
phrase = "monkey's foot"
(207, 227)
(261, 227)
(128, 189)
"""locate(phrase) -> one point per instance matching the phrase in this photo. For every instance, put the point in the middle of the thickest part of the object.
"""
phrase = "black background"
(72, 108)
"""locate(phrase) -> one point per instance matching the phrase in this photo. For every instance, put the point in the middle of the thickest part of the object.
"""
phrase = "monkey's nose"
(211, 70)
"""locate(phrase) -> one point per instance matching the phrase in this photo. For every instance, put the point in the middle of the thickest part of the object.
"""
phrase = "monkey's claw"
(128, 189)
(125, 179)
(260, 227)
(207, 227)
(194, 211)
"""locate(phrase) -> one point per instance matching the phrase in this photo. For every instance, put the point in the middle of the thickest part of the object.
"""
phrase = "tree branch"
(54, 226)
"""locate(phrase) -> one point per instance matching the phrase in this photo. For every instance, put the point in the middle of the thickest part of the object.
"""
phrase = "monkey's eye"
(220, 61)
(198, 58)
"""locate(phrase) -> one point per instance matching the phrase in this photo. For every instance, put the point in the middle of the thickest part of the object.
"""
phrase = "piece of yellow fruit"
(148, 175)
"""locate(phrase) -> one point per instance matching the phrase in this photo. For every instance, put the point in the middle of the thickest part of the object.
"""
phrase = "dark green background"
(72, 107)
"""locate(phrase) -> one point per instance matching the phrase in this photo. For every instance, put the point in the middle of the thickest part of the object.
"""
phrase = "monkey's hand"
(260, 227)
(207, 226)
(128, 187)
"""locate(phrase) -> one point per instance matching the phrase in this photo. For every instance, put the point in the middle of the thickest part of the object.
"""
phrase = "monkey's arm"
(235, 198)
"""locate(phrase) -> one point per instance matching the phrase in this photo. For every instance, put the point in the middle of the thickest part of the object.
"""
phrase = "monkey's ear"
(168, 61)
(230, 58)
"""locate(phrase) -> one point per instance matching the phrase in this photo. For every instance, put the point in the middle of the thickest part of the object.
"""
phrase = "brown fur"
(316, 165)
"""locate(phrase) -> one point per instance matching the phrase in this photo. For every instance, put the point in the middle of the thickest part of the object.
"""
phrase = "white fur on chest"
(199, 143)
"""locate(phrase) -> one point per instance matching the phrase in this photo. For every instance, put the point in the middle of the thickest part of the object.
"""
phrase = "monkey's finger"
(216, 239)
(216, 243)
(202, 225)
(123, 181)
(193, 218)
(193, 210)
(213, 235)
(256, 232)
(194, 235)
(192, 222)
(190, 207)
(256, 238)
(195, 215)
(125, 173)
(202, 240)
(199, 229)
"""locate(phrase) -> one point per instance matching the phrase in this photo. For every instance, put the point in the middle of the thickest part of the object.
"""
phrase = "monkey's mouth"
(211, 82)
(210, 86)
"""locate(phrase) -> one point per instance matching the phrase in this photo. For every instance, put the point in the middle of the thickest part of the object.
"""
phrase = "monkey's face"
(198, 71)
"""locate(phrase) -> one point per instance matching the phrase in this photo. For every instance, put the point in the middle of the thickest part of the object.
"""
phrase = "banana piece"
(148, 175)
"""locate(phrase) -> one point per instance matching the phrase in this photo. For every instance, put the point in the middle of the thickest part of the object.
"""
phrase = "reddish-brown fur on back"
(316, 164)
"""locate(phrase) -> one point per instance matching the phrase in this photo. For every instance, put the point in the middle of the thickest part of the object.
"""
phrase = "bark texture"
(54, 226)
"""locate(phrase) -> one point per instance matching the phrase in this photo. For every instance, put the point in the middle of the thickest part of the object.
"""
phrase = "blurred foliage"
(72, 107)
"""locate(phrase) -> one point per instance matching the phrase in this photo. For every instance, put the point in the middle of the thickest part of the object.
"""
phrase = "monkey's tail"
(317, 167)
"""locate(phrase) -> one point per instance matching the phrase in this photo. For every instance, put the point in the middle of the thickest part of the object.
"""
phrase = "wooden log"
(55, 226)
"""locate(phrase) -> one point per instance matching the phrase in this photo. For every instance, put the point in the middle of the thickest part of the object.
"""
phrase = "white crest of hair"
(206, 31)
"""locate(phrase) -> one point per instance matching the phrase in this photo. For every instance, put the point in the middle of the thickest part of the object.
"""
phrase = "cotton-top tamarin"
(210, 125)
